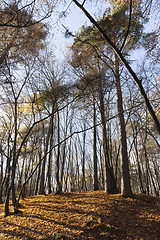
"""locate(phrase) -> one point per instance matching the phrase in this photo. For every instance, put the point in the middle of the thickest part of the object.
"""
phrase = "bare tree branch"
(129, 24)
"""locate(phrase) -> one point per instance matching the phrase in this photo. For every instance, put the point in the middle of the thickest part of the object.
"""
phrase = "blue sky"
(74, 19)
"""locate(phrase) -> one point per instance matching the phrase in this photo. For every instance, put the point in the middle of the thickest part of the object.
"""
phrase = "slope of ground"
(89, 215)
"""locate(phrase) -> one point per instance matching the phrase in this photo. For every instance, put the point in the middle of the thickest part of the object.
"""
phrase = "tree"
(124, 61)
(114, 24)
(22, 44)
(17, 43)
(84, 59)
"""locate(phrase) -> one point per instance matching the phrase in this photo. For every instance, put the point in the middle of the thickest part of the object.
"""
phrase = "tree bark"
(125, 180)
(95, 177)
(39, 173)
(58, 188)
(41, 187)
(1, 174)
(110, 183)
(83, 160)
(137, 156)
(14, 162)
(50, 153)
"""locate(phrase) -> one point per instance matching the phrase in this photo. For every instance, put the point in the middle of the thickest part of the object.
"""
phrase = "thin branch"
(83, 2)
(129, 25)
(27, 24)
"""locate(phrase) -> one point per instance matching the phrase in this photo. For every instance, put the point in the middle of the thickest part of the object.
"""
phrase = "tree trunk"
(58, 188)
(125, 180)
(83, 160)
(8, 167)
(117, 166)
(49, 166)
(50, 153)
(41, 188)
(110, 183)
(14, 162)
(21, 175)
(1, 174)
(137, 156)
(77, 168)
(64, 150)
(95, 177)
(14, 159)
(39, 172)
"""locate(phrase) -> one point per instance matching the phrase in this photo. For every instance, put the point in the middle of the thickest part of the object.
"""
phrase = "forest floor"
(87, 215)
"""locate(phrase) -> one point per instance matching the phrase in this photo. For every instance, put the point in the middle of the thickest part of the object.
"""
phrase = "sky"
(73, 21)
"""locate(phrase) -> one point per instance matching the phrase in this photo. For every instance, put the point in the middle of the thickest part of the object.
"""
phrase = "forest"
(84, 119)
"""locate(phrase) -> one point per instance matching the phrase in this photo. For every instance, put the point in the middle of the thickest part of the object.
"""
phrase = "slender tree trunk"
(146, 157)
(147, 170)
(14, 159)
(101, 167)
(116, 166)
(156, 172)
(63, 163)
(21, 175)
(49, 166)
(39, 173)
(110, 183)
(41, 188)
(77, 168)
(137, 157)
(58, 188)
(95, 178)
(64, 150)
(1, 174)
(125, 180)
(153, 183)
(14, 162)
(8, 167)
(1, 178)
(67, 174)
(83, 160)
(50, 153)
(31, 180)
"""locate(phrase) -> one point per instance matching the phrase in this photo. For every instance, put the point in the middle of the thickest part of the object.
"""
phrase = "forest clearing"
(83, 215)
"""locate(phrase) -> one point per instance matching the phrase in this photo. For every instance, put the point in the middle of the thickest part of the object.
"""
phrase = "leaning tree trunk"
(125, 177)
(14, 162)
